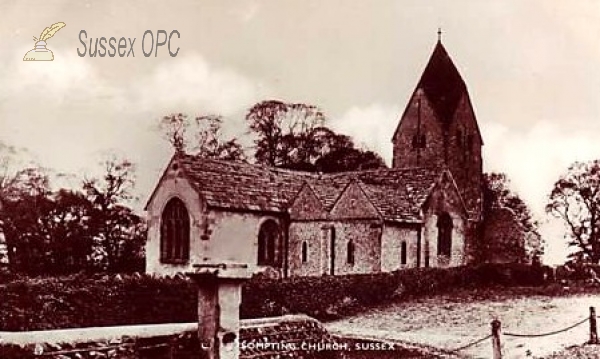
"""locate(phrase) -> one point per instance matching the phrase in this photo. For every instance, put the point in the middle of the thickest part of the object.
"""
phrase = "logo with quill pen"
(40, 52)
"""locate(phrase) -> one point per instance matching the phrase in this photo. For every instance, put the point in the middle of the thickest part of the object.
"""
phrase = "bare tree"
(19, 173)
(200, 136)
(174, 127)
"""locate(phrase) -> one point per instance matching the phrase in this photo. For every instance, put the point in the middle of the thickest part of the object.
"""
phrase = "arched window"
(304, 252)
(403, 253)
(444, 225)
(268, 244)
(175, 233)
(350, 253)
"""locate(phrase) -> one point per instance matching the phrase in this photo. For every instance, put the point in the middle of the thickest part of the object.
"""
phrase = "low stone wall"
(288, 336)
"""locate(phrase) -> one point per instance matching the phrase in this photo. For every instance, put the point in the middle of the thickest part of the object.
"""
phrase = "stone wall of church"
(391, 247)
(445, 199)
(464, 155)
(364, 234)
(313, 234)
(419, 119)
(458, 146)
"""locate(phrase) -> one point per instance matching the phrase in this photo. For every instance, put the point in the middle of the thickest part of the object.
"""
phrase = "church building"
(423, 212)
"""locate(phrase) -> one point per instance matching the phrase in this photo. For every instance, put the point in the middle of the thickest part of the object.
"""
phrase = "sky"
(530, 67)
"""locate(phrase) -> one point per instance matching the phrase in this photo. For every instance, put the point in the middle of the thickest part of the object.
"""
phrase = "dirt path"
(451, 322)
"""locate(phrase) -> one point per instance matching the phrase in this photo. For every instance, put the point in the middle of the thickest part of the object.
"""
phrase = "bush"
(330, 297)
(103, 300)
(10, 351)
(79, 301)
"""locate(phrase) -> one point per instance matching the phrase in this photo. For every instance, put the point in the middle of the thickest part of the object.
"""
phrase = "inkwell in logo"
(40, 52)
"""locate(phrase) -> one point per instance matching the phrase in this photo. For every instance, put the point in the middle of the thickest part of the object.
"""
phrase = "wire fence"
(496, 334)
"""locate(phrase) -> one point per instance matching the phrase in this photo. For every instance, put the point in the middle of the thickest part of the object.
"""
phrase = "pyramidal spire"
(442, 83)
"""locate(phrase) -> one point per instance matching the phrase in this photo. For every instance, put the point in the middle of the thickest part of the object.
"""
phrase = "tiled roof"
(329, 188)
(397, 194)
(235, 185)
(393, 204)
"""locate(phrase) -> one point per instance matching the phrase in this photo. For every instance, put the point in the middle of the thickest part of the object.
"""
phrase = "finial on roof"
(439, 34)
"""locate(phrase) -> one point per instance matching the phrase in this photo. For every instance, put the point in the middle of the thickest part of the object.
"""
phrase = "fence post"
(497, 352)
(593, 328)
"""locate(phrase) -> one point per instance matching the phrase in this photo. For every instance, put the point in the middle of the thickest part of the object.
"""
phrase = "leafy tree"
(284, 131)
(47, 232)
(349, 159)
(293, 136)
(68, 224)
(497, 194)
(201, 136)
(64, 231)
(119, 246)
(118, 231)
(24, 200)
(575, 198)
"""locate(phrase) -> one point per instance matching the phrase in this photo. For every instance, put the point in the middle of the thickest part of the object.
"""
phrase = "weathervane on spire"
(439, 34)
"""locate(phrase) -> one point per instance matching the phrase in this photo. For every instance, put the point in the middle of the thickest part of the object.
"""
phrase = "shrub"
(10, 351)
(102, 300)
(79, 301)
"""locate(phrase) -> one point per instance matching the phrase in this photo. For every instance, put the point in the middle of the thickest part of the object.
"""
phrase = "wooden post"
(497, 351)
(593, 329)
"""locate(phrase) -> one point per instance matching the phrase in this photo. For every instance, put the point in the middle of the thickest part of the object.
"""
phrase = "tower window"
(419, 141)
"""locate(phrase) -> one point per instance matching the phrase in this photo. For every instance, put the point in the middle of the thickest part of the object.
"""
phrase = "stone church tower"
(439, 129)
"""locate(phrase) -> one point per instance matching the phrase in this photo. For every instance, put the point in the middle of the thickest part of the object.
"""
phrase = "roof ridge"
(254, 165)
(311, 175)
(375, 170)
